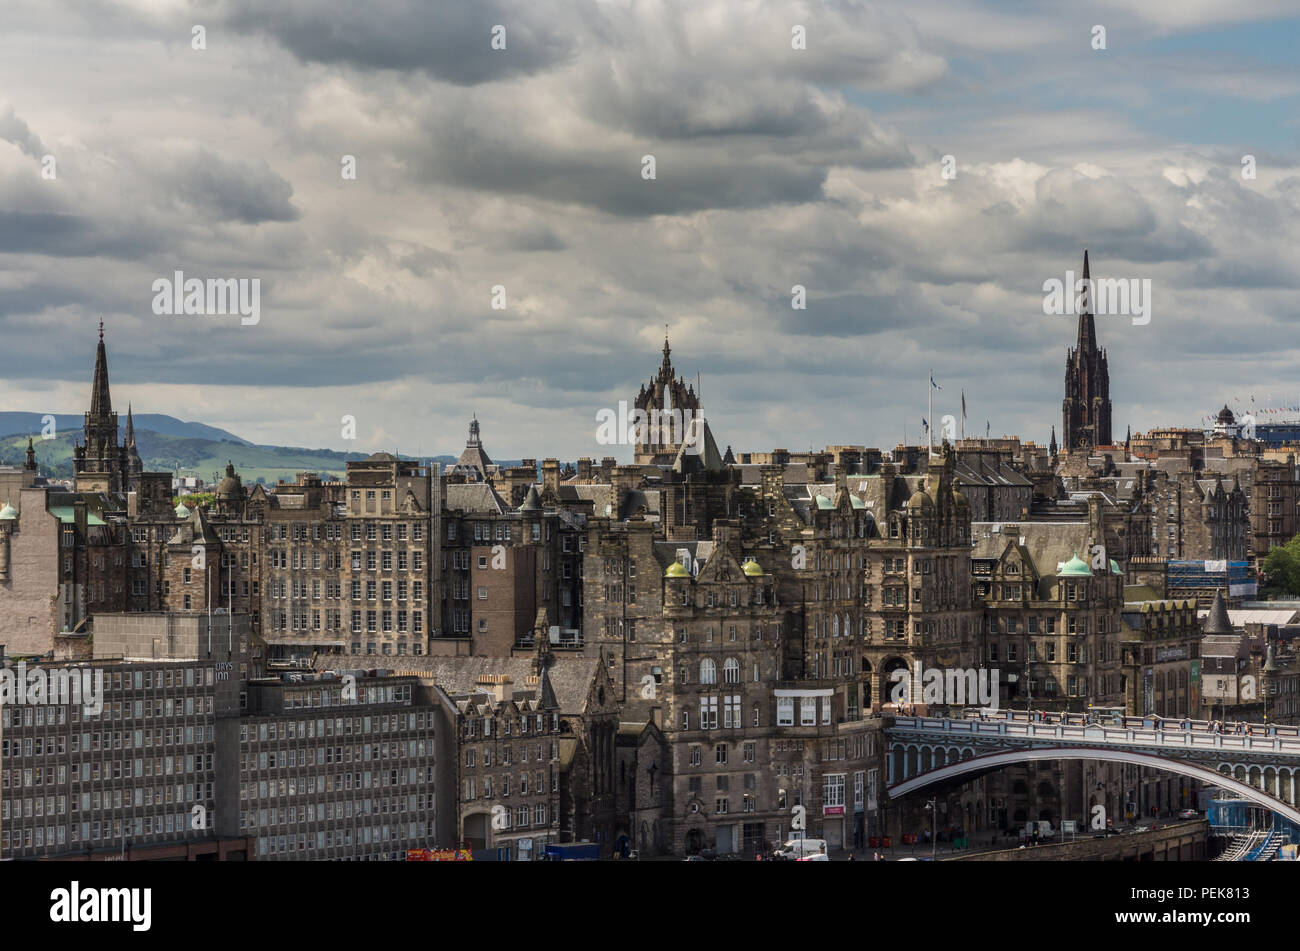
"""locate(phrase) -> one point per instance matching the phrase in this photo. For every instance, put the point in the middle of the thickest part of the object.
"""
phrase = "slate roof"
(474, 497)
(1048, 545)
(570, 677)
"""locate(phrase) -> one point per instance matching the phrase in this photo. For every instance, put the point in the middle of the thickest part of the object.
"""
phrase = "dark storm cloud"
(65, 235)
(225, 189)
(450, 41)
(613, 183)
(15, 130)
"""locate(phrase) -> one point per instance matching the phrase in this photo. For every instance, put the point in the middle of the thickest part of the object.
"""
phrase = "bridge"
(1261, 763)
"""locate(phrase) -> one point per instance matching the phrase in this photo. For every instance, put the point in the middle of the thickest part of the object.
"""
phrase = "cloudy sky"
(522, 167)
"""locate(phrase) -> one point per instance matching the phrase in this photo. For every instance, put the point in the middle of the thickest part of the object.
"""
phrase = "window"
(708, 713)
(807, 711)
(731, 713)
(720, 754)
(731, 671)
(708, 671)
(785, 711)
(833, 790)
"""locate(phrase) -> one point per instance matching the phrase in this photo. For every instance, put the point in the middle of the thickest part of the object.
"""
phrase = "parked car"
(1189, 814)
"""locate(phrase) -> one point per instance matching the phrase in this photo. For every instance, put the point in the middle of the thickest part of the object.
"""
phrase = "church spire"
(1087, 331)
(100, 403)
(30, 463)
(666, 368)
(130, 428)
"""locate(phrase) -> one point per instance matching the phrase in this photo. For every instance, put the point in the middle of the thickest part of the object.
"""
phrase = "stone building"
(495, 751)
(1162, 653)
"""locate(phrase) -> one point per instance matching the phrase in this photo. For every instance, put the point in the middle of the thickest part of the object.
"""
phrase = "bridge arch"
(989, 761)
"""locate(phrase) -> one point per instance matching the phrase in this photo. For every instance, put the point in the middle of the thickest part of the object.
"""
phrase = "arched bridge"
(1262, 765)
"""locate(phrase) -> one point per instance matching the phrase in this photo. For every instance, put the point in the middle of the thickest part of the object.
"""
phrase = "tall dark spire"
(130, 428)
(30, 463)
(100, 403)
(666, 368)
(101, 454)
(1087, 330)
(1086, 408)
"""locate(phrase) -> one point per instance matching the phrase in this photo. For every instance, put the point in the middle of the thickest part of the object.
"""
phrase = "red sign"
(832, 810)
(439, 855)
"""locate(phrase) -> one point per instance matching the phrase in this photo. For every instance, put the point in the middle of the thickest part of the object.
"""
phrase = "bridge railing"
(1139, 734)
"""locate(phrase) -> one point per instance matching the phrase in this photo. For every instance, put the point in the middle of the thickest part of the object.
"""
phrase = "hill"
(31, 424)
(187, 455)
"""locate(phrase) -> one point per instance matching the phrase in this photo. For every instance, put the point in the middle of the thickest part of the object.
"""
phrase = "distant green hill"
(192, 456)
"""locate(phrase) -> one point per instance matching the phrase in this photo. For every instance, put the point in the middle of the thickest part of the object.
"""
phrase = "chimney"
(584, 469)
(624, 479)
(498, 684)
(551, 475)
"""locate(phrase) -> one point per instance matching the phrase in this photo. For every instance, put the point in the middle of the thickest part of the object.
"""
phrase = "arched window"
(708, 671)
(731, 671)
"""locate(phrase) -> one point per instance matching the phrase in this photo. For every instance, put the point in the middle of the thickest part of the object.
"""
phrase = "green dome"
(182, 511)
(752, 568)
(1114, 567)
(1076, 567)
(8, 513)
(677, 570)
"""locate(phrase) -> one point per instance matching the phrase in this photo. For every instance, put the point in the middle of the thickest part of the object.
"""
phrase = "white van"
(1044, 827)
(798, 848)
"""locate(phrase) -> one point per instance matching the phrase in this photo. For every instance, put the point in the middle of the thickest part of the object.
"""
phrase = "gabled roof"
(474, 497)
(570, 677)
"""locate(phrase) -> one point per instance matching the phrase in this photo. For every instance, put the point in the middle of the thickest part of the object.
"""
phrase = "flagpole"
(929, 430)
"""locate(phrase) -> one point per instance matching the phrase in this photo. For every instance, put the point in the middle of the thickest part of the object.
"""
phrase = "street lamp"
(934, 820)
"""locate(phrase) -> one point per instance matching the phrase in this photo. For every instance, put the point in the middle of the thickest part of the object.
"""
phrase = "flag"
(963, 404)
(986, 429)
(934, 384)
(925, 426)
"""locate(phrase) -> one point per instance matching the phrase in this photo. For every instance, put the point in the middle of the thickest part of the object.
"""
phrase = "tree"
(1282, 566)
